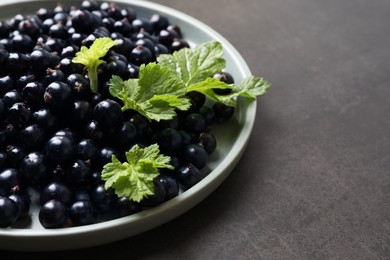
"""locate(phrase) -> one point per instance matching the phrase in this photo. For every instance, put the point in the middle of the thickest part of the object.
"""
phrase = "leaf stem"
(93, 78)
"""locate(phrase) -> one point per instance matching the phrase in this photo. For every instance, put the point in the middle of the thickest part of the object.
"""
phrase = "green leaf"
(155, 95)
(91, 58)
(206, 87)
(134, 178)
(195, 65)
(252, 86)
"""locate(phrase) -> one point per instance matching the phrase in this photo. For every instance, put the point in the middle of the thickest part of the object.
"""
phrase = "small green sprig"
(195, 68)
(162, 86)
(155, 95)
(134, 178)
(91, 58)
(161, 89)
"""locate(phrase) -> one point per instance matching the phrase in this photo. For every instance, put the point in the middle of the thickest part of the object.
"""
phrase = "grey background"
(314, 182)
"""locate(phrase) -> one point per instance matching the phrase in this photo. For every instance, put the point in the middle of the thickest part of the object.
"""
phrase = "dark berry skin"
(43, 13)
(123, 27)
(222, 112)
(195, 155)
(55, 44)
(224, 77)
(6, 43)
(142, 24)
(57, 191)
(33, 168)
(166, 37)
(174, 28)
(53, 214)
(5, 29)
(141, 124)
(30, 26)
(125, 207)
(23, 202)
(4, 54)
(19, 115)
(171, 186)
(58, 30)
(82, 213)
(82, 113)
(128, 13)
(11, 180)
(132, 71)
(103, 200)
(169, 140)
(40, 60)
(188, 175)
(32, 137)
(6, 84)
(108, 114)
(106, 153)
(9, 212)
(160, 49)
(67, 133)
(158, 196)
(89, 5)
(140, 55)
(112, 10)
(117, 67)
(23, 80)
(45, 119)
(93, 131)
(208, 115)
(79, 84)
(82, 21)
(123, 46)
(147, 43)
(197, 100)
(33, 94)
(60, 150)
(87, 150)
(47, 23)
(195, 123)
(179, 44)
(124, 135)
(208, 142)
(9, 136)
(58, 96)
(3, 161)
(53, 75)
(22, 43)
(15, 154)
(11, 97)
(17, 63)
(68, 67)
(63, 134)
(78, 173)
(159, 22)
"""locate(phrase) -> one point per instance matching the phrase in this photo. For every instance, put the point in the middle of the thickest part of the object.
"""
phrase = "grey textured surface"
(314, 182)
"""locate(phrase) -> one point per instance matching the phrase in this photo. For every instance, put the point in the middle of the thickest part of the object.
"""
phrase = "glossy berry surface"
(188, 175)
(107, 114)
(9, 212)
(56, 134)
(53, 214)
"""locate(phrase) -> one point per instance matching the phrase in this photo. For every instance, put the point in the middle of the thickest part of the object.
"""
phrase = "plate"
(232, 139)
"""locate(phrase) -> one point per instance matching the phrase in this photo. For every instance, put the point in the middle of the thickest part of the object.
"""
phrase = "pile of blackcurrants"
(56, 134)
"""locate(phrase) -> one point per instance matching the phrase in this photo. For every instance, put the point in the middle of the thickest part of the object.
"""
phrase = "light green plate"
(231, 137)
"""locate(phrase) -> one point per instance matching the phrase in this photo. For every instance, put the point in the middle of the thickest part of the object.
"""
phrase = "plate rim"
(194, 195)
